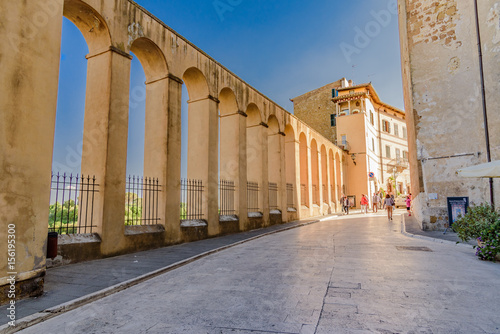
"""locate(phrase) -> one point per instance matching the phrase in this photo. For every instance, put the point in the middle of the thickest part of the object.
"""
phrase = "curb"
(52, 312)
(423, 237)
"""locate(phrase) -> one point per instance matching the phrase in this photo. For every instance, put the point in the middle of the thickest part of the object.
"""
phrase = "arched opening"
(229, 152)
(333, 182)
(324, 176)
(304, 171)
(77, 103)
(202, 149)
(274, 163)
(147, 135)
(255, 144)
(291, 168)
(315, 172)
(68, 134)
(338, 173)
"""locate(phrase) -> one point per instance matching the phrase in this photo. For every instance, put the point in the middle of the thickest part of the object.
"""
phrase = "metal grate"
(226, 198)
(253, 196)
(141, 201)
(413, 248)
(325, 193)
(273, 196)
(303, 194)
(315, 194)
(72, 210)
(289, 196)
(191, 199)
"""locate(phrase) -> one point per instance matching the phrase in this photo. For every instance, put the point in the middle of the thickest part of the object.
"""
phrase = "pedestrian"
(388, 203)
(342, 202)
(347, 204)
(376, 200)
(381, 197)
(408, 204)
(364, 204)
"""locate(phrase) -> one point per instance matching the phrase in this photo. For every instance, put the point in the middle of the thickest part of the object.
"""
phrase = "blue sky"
(282, 48)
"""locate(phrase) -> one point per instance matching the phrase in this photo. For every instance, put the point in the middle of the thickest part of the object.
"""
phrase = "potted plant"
(481, 222)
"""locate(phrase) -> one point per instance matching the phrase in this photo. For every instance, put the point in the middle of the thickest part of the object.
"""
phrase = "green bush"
(490, 242)
(475, 220)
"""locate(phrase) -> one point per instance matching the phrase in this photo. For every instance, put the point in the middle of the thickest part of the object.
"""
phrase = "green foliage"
(63, 217)
(133, 209)
(477, 219)
(489, 242)
(183, 211)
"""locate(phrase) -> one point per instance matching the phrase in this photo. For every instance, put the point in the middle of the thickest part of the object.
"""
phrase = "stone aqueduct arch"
(259, 141)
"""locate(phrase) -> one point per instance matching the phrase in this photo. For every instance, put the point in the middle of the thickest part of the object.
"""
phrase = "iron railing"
(325, 193)
(315, 194)
(253, 196)
(303, 194)
(191, 200)
(290, 203)
(73, 208)
(273, 196)
(141, 201)
(226, 198)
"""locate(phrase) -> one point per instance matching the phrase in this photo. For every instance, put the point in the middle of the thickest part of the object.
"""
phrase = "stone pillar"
(105, 142)
(296, 183)
(203, 139)
(265, 175)
(233, 160)
(282, 193)
(320, 181)
(156, 140)
(329, 183)
(173, 170)
(30, 53)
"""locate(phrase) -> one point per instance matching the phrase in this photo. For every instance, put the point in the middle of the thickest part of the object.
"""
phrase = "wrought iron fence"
(141, 201)
(303, 194)
(273, 196)
(325, 193)
(253, 196)
(72, 210)
(191, 199)
(226, 198)
(289, 196)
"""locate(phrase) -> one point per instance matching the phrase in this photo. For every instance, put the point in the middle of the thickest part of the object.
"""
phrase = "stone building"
(450, 56)
(371, 132)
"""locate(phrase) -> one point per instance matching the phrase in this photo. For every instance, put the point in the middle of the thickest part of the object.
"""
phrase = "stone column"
(282, 193)
(296, 183)
(173, 170)
(320, 181)
(309, 179)
(233, 160)
(105, 143)
(30, 53)
(329, 182)
(265, 175)
(203, 157)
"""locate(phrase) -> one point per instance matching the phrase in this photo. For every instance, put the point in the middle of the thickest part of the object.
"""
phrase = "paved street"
(355, 274)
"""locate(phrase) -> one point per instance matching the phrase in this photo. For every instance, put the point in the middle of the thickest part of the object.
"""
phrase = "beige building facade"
(268, 155)
(373, 135)
(450, 55)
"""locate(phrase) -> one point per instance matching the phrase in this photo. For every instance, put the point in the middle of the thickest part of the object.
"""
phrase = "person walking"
(347, 204)
(364, 204)
(388, 203)
(408, 205)
(342, 202)
(376, 200)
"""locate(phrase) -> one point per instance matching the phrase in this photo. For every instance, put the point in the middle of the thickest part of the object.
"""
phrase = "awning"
(489, 169)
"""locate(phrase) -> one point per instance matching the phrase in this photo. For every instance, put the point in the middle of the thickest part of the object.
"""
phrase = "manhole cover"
(413, 248)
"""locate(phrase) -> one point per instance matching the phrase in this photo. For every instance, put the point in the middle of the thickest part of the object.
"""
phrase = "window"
(373, 145)
(344, 140)
(398, 153)
(345, 111)
(387, 151)
(333, 120)
(386, 126)
(405, 135)
(396, 130)
(371, 117)
(335, 93)
(405, 155)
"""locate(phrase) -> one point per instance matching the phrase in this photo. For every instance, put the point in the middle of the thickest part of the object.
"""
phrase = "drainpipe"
(483, 95)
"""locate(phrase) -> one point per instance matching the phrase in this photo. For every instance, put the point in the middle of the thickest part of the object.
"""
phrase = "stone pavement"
(67, 283)
(351, 274)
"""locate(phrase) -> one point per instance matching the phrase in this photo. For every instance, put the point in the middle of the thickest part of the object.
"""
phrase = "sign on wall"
(457, 206)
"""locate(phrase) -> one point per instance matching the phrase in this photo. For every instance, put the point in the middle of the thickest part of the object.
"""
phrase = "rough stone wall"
(443, 101)
(315, 108)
